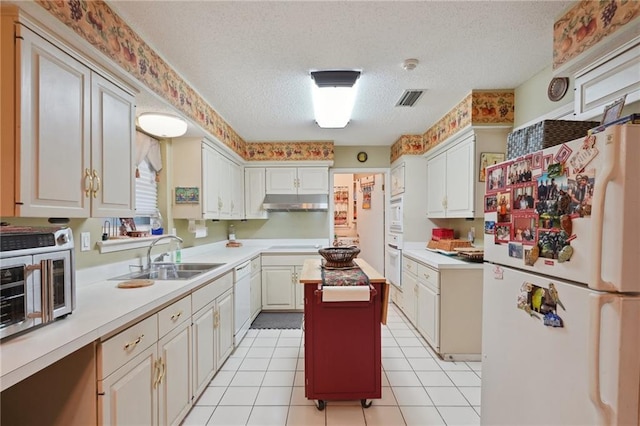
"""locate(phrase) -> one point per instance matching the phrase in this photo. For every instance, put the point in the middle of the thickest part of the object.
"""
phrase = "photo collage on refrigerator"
(536, 197)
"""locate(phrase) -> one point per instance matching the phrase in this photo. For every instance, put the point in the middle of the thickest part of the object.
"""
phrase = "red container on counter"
(441, 234)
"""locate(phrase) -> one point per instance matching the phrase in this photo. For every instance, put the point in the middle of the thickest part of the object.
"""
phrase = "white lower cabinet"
(281, 288)
(428, 301)
(445, 306)
(409, 289)
(256, 287)
(143, 380)
(153, 371)
(212, 330)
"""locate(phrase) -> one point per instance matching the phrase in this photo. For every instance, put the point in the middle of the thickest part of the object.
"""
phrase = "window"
(146, 190)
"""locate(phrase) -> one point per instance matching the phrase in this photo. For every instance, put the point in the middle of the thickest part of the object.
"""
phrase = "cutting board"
(135, 283)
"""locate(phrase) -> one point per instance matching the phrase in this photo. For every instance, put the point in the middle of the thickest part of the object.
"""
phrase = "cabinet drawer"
(429, 276)
(173, 315)
(124, 346)
(204, 295)
(255, 265)
(410, 266)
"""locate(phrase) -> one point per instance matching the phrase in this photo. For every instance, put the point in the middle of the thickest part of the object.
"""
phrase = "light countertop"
(102, 308)
(439, 261)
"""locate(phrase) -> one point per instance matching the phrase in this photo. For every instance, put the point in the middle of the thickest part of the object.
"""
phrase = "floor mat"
(277, 320)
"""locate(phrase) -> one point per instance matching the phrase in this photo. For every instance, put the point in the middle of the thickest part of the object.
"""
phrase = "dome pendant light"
(162, 125)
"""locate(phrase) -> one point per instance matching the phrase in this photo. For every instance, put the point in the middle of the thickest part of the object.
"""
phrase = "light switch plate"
(85, 241)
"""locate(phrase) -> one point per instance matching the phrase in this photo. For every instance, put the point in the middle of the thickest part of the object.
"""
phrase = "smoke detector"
(410, 64)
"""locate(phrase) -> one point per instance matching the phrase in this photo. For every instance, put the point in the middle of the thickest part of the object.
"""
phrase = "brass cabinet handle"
(156, 366)
(163, 365)
(88, 182)
(97, 188)
(174, 317)
(216, 319)
(134, 343)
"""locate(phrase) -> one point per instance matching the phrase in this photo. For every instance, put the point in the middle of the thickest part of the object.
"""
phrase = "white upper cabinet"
(254, 192)
(397, 179)
(75, 132)
(213, 183)
(454, 189)
(297, 180)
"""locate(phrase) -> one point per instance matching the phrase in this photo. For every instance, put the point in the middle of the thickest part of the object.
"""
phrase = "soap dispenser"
(232, 233)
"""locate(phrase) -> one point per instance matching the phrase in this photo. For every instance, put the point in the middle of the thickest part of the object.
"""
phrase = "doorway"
(358, 208)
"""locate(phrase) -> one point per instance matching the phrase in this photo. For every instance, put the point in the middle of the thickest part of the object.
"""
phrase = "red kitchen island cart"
(342, 346)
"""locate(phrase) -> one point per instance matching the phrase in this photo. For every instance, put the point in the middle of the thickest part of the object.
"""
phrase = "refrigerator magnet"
(551, 319)
(516, 251)
(503, 232)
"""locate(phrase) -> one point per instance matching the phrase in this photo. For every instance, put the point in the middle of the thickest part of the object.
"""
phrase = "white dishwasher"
(242, 297)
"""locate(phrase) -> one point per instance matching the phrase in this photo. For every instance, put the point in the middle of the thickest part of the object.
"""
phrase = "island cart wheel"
(321, 405)
(364, 404)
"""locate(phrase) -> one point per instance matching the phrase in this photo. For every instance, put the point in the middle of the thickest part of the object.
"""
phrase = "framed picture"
(488, 159)
(612, 112)
(496, 178)
(127, 225)
(563, 153)
(537, 160)
(187, 195)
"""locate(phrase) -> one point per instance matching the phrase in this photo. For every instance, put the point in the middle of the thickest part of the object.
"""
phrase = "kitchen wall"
(345, 156)
(531, 98)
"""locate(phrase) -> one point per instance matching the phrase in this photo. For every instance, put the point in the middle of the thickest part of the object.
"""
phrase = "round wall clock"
(362, 156)
(557, 88)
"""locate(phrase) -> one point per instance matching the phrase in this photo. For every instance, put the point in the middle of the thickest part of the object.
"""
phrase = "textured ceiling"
(251, 60)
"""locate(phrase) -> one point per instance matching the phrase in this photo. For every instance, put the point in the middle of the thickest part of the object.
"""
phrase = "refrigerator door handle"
(596, 302)
(606, 174)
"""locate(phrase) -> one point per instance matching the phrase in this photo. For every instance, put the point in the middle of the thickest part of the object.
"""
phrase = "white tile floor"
(262, 383)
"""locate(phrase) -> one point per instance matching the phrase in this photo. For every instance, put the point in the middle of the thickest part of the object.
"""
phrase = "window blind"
(146, 190)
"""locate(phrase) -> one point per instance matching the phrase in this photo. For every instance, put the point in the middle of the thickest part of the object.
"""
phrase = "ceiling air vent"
(409, 98)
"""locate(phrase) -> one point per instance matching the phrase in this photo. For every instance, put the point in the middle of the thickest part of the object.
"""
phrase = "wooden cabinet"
(72, 146)
(397, 179)
(218, 180)
(428, 305)
(281, 288)
(144, 372)
(409, 289)
(256, 287)
(212, 329)
(453, 171)
(445, 306)
(254, 192)
(297, 180)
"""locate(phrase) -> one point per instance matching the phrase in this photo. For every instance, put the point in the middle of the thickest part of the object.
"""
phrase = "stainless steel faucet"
(154, 242)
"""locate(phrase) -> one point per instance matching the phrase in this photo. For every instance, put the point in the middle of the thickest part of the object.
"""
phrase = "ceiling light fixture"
(334, 94)
(162, 125)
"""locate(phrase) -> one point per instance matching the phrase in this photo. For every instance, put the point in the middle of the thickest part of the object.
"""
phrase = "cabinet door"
(224, 176)
(112, 150)
(174, 392)
(237, 191)
(397, 180)
(428, 315)
(204, 366)
(409, 295)
(460, 179)
(55, 125)
(299, 288)
(210, 183)
(129, 396)
(281, 180)
(277, 287)
(313, 180)
(224, 327)
(256, 293)
(254, 192)
(436, 186)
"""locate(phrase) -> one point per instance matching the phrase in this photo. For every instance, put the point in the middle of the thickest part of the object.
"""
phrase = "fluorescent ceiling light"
(334, 94)
(162, 125)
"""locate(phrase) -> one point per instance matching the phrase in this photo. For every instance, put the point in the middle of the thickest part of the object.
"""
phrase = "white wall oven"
(393, 259)
(395, 213)
(37, 277)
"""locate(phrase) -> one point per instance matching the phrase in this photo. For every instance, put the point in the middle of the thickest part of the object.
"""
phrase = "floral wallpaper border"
(588, 22)
(477, 108)
(98, 24)
(289, 151)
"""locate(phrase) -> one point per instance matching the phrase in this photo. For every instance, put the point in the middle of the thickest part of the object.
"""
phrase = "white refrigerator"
(561, 294)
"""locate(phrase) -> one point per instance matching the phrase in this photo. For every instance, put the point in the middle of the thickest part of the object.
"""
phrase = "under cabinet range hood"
(299, 202)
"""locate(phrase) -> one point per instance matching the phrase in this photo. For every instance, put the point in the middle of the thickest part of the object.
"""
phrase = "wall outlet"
(85, 241)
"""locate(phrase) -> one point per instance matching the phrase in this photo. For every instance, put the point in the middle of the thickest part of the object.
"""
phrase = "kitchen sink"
(170, 271)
